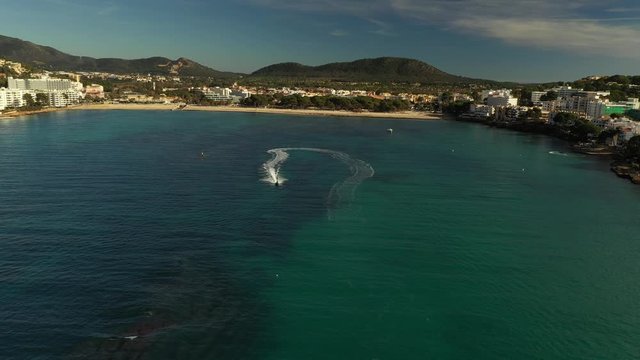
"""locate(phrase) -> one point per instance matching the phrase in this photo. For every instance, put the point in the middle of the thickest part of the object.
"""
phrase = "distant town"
(597, 121)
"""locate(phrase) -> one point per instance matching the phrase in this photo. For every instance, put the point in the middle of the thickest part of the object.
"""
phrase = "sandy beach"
(169, 107)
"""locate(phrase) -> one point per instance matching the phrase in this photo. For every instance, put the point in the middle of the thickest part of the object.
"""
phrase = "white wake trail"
(342, 191)
(272, 167)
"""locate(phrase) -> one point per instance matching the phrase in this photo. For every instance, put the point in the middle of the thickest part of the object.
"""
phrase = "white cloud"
(568, 25)
(583, 37)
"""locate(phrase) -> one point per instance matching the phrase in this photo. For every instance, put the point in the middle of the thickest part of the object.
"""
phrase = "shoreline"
(408, 115)
(623, 169)
(403, 115)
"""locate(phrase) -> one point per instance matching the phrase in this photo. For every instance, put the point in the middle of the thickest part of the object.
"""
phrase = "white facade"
(597, 109)
(60, 92)
(44, 84)
(14, 98)
(94, 91)
(218, 94)
(565, 92)
(63, 98)
(501, 101)
(536, 95)
(481, 111)
(488, 93)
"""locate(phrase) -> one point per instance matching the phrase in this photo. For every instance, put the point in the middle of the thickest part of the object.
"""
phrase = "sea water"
(161, 235)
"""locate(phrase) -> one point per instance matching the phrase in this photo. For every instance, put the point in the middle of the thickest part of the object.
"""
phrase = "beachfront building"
(14, 98)
(217, 94)
(60, 92)
(239, 94)
(94, 91)
(63, 98)
(502, 101)
(480, 111)
(43, 84)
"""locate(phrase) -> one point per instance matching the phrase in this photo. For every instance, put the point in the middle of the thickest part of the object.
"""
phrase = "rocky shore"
(627, 170)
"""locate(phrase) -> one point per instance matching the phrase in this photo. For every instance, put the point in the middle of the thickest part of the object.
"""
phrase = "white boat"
(390, 131)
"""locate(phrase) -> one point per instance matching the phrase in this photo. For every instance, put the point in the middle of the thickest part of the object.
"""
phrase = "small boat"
(390, 131)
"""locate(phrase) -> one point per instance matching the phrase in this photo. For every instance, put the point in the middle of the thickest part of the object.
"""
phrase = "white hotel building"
(14, 98)
(61, 92)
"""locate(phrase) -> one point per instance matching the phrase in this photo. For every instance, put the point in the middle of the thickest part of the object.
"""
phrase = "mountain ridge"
(382, 69)
(49, 58)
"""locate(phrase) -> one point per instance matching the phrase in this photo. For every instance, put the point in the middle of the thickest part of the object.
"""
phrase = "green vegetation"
(531, 114)
(360, 103)
(574, 127)
(621, 87)
(42, 99)
(455, 107)
(379, 70)
(31, 103)
(549, 96)
(631, 150)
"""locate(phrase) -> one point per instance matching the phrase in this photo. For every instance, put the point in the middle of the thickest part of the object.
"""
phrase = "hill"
(48, 58)
(384, 69)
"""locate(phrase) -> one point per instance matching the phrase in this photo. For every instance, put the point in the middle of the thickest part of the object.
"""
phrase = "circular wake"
(342, 191)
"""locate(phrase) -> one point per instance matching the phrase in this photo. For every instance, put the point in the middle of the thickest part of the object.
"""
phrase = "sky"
(506, 40)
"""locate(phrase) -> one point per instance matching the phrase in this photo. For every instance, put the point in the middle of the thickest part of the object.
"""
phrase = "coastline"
(408, 115)
(16, 114)
(623, 169)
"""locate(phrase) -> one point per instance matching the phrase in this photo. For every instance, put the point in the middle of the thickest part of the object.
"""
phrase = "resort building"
(44, 84)
(94, 91)
(217, 94)
(501, 101)
(14, 98)
(605, 108)
(536, 95)
(63, 98)
(480, 111)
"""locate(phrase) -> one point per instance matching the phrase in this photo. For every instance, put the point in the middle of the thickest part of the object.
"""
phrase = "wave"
(341, 192)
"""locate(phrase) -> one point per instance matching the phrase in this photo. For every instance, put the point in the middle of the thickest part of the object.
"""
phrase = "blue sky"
(517, 40)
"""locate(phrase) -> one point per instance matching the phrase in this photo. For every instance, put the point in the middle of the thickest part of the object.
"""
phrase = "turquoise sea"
(159, 235)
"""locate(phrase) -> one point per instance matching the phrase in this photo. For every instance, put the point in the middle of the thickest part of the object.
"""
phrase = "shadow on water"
(201, 298)
(192, 317)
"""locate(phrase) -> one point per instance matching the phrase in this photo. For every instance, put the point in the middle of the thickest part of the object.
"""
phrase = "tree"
(565, 118)
(619, 79)
(608, 134)
(525, 97)
(446, 98)
(257, 101)
(584, 129)
(549, 96)
(632, 148)
(28, 99)
(534, 113)
(42, 99)
(617, 95)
